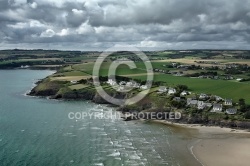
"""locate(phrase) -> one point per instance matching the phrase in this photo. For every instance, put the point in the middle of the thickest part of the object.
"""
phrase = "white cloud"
(30, 24)
(85, 28)
(76, 11)
(64, 32)
(33, 5)
(48, 33)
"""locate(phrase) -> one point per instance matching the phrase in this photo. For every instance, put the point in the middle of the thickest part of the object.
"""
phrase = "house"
(135, 84)
(203, 96)
(228, 77)
(179, 74)
(144, 87)
(122, 83)
(112, 82)
(121, 88)
(208, 105)
(217, 108)
(162, 89)
(73, 81)
(191, 102)
(177, 99)
(171, 91)
(201, 105)
(184, 93)
(228, 102)
(129, 84)
(132, 84)
(231, 111)
(239, 79)
(218, 98)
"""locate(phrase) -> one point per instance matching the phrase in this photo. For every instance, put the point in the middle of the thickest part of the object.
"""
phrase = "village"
(212, 103)
(215, 70)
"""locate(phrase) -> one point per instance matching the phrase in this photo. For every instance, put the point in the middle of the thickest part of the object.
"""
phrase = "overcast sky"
(147, 24)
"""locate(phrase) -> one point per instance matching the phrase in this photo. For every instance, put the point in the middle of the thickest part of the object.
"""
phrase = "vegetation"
(222, 73)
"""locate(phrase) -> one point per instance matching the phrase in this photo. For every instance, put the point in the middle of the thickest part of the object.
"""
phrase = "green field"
(225, 89)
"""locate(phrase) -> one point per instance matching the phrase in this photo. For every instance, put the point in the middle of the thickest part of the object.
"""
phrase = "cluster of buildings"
(123, 84)
(164, 89)
(217, 106)
(202, 102)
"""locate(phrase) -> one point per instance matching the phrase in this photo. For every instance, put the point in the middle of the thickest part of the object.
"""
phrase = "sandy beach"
(222, 147)
(215, 146)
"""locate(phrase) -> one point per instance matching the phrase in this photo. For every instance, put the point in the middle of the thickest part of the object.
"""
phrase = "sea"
(37, 131)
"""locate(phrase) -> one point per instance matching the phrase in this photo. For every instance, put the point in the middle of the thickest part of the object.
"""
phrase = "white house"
(184, 93)
(162, 89)
(144, 87)
(112, 82)
(122, 83)
(73, 81)
(217, 108)
(132, 84)
(192, 102)
(239, 79)
(231, 111)
(228, 102)
(121, 88)
(171, 91)
(129, 84)
(203, 96)
(201, 105)
(218, 98)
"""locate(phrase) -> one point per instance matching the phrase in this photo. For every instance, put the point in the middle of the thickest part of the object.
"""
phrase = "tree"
(247, 115)
(182, 87)
(242, 105)
(242, 102)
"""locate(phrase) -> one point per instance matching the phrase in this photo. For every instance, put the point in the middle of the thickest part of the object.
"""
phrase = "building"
(231, 111)
(144, 87)
(191, 102)
(112, 82)
(203, 96)
(218, 98)
(217, 108)
(171, 91)
(133, 84)
(177, 99)
(201, 105)
(184, 93)
(162, 89)
(73, 81)
(228, 102)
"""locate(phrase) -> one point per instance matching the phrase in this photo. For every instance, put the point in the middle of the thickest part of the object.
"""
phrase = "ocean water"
(38, 131)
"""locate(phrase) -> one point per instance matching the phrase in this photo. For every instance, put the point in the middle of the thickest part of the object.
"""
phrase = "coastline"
(214, 146)
(208, 145)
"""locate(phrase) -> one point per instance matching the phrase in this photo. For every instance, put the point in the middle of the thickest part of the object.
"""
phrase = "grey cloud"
(167, 23)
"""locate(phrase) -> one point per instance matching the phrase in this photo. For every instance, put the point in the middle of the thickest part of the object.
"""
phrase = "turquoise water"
(37, 131)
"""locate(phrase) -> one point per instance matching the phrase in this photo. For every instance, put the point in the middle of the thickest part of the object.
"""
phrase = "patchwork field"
(223, 88)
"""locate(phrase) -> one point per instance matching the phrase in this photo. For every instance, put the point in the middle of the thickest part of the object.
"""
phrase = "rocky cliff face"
(46, 88)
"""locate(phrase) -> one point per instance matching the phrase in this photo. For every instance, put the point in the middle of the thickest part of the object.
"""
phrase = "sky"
(145, 24)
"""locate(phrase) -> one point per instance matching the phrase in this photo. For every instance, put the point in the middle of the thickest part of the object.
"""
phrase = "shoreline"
(214, 145)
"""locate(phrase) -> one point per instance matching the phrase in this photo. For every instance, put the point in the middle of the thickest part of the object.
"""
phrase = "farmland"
(76, 65)
(224, 88)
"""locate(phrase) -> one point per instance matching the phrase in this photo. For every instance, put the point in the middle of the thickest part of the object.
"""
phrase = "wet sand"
(222, 147)
(215, 146)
